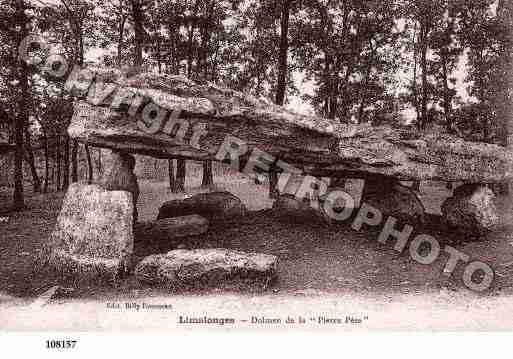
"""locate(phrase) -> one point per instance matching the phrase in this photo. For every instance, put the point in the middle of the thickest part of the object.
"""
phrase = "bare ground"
(315, 262)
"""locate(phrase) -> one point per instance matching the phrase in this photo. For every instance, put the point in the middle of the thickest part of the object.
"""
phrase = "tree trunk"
(180, 175)
(18, 197)
(273, 184)
(22, 117)
(171, 174)
(47, 165)
(362, 97)
(447, 97)
(137, 15)
(189, 52)
(65, 175)
(29, 157)
(120, 40)
(74, 161)
(189, 40)
(208, 176)
(416, 186)
(100, 166)
(283, 54)
(58, 148)
(414, 84)
(89, 165)
(423, 64)
(54, 161)
(181, 170)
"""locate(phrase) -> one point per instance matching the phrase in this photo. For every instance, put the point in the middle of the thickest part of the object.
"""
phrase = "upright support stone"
(471, 209)
(273, 184)
(338, 182)
(93, 237)
(393, 199)
(119, 176)
(378, 184)
(291, 209)
(181, 174)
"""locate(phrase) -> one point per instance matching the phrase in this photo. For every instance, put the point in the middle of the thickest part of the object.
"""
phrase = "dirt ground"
(316, 263)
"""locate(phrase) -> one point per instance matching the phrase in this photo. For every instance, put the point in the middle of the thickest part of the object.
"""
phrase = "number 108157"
(61, 344)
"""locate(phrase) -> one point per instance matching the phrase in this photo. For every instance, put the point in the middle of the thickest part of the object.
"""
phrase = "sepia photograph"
(255, 166)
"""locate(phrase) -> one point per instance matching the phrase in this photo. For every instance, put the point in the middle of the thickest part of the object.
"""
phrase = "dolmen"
(171, 117)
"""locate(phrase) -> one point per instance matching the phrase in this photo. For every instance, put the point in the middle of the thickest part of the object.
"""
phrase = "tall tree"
(137, 17)
(487, 41)
(345, 48)
(425, 15)
(113, 30)
(21, 24)
(447, 52)
(71, 25)
(283, 70)
(16, 89)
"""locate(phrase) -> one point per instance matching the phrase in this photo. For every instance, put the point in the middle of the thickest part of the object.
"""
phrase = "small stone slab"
(471, 209)
(168, 229)
(207, 268)
(93, 236)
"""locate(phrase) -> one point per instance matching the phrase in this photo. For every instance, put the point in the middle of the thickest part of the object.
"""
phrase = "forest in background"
(367, 62)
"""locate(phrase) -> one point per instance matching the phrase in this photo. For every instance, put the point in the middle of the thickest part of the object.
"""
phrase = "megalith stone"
(471, 209)
(206, 268)
(394, 199)
(168, 229)
(215, 206)
(93, 236)
(314, 145)
(294, 210)
(118, 175)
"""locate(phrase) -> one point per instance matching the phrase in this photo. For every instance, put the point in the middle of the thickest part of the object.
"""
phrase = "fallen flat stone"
(93, 236)
(215, 206)
(206, 268)
(316, 146)
(168, 229)
(471, 209)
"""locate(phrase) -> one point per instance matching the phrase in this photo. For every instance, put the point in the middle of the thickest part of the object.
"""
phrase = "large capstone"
(93, 236)
(394, 199)
(207, 268)
(471, 209)
(313, 145)
(215, 206)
